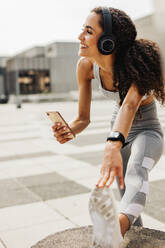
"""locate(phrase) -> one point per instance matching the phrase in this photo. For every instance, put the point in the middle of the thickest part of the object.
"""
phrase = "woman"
(129, 73)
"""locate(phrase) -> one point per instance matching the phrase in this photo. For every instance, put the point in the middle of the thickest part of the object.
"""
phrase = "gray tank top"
(112, 95)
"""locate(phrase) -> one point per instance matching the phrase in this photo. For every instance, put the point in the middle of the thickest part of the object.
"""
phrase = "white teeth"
(83, 46)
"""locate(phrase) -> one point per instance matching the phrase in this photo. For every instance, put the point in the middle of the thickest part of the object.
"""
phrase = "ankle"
(124, 224)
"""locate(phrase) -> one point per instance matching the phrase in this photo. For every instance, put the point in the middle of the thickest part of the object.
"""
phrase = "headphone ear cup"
(106, 44)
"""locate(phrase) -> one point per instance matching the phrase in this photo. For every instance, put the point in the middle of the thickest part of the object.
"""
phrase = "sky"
(25, 24)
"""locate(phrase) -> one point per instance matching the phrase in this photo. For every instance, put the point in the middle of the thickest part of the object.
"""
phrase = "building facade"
(43, 69)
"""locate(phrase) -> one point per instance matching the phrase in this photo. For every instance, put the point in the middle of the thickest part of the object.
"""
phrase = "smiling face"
(89, 36)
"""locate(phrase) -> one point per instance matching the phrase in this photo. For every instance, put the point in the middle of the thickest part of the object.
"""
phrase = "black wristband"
(116, 136)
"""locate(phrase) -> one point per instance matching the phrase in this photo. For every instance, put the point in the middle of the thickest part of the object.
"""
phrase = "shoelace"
(103, 203)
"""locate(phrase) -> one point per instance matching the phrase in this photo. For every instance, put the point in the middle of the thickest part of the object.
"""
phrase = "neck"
(105, 62)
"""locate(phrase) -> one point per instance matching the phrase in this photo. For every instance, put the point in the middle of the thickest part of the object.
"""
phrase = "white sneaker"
(104, 215)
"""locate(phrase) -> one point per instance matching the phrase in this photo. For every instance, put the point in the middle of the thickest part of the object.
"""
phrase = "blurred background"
(45, 186)
(39, 41)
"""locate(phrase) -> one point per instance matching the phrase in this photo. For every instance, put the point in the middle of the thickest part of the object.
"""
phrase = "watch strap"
(119, 138)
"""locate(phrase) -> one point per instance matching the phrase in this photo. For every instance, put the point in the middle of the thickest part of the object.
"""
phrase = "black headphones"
(106, 42)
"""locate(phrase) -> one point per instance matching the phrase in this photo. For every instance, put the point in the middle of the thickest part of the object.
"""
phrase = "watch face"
(115, 134)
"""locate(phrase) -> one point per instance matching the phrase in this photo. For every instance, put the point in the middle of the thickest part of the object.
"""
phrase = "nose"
(81, 36)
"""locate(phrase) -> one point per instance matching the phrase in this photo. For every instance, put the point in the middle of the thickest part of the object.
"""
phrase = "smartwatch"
(116, 136)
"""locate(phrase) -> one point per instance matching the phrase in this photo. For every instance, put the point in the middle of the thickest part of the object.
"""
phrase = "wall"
(63, 74)
(32, 52)
(159, 24)
(153, 28)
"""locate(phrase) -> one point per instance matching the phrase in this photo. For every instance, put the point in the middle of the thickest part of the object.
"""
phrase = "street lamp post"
(17, 89)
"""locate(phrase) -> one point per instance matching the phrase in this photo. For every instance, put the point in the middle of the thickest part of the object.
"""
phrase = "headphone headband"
(107, 21)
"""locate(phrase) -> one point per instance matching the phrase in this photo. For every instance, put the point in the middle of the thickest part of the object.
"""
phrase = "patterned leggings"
(142, 151)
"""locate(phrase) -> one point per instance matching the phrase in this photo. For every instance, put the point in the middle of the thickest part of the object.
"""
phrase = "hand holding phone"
(62, 132)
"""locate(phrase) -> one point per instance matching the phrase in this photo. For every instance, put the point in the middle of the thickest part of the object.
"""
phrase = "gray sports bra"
(113, 95)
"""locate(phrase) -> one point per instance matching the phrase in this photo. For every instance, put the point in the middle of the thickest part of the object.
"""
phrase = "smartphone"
(55, 116)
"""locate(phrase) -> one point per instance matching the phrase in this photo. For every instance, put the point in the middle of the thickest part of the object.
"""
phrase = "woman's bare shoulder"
(85, 67)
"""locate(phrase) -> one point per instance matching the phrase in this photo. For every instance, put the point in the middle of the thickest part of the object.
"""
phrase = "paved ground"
(45, 186)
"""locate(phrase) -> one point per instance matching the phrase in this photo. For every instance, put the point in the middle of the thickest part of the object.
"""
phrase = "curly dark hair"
(136, 61)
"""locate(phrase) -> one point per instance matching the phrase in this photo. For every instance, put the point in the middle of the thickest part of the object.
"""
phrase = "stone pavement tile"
(101, 117)
(21, 147)
(17, 129)
(91, 183)
(71, 206)
(81, 220)
(81, 173)
(159, 184)
(25, 139)
(21, 170)
(63, 168)
(3, 152)
(38, 159)
(72, 168)
(91, 139)
(68, 148)
(150, 222)
(88, 182)
(52, 145)
(28, 236)
(98, 125)
(3, 175)
(156, 193)
(52, 185)
(93, 158)
(65, 163)
(155, 206)
(39, 165)
(6, 157)
(12, 134)
(53, 191)
(86, 176)
(161, 163)
(26, 216)
(42, 179)
(156, 174)
(8, 126)
(12, 193)
(94, 131)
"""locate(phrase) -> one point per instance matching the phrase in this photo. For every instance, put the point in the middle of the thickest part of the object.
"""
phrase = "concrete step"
(136, 237)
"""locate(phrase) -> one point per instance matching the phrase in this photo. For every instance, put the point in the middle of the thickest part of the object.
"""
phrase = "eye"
(87, 31)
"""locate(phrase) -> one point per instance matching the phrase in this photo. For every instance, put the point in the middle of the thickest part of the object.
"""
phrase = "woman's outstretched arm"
(112, 165)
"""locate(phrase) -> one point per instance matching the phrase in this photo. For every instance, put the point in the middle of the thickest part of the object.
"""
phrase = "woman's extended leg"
(146, 150)
(126, 152)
